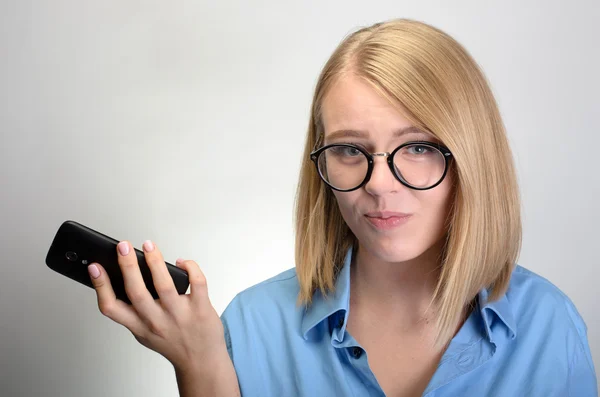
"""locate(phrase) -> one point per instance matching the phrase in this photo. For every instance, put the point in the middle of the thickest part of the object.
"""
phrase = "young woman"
(407, 232)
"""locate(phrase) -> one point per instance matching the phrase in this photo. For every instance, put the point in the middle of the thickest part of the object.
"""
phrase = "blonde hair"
(439, 88)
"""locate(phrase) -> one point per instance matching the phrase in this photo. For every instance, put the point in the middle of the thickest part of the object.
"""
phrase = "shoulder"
(282, 286)
(261, 324)
(267, 300)
(534, 298)
(548, 321)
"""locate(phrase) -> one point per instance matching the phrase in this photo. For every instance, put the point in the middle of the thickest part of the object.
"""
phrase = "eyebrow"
(363, 134)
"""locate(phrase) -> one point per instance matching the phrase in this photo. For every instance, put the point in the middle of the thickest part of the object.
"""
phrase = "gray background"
(183, 122)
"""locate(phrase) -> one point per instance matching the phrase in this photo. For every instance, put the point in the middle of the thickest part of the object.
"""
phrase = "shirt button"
(340, 322)
(357, 352)
(465, 361)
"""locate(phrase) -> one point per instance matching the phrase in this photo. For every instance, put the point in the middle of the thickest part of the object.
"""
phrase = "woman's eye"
(346, 151)
(418, 149)
(350, 151)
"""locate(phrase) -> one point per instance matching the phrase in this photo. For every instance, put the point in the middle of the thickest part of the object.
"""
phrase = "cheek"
(348, 203)
(436, 205)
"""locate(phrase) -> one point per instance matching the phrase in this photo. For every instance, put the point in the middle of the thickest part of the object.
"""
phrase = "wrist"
(208, 377)
(209, 364)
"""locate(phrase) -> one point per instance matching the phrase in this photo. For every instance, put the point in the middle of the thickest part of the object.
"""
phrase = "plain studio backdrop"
(184, 123)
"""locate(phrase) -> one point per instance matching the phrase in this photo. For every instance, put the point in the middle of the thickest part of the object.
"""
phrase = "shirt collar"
(498, 320)
(323, 308)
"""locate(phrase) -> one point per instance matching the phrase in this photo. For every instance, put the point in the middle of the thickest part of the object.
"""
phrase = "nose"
(382, 180)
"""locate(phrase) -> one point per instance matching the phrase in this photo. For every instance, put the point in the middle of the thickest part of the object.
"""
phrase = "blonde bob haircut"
(438, 87)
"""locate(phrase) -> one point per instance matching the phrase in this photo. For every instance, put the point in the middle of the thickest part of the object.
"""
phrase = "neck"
(404, 289)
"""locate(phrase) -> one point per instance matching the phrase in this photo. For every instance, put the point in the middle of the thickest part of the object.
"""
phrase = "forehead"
(353, 105)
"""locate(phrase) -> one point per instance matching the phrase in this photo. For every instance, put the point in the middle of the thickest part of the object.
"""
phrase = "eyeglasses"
(346, 167)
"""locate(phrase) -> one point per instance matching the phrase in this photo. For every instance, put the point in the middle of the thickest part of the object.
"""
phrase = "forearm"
(215, 379)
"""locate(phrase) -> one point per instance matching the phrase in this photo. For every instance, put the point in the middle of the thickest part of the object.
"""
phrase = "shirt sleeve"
(228, 320)
(225, 317)
(227, 338)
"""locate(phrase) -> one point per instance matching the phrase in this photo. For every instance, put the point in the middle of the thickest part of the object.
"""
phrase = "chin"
(392, 252)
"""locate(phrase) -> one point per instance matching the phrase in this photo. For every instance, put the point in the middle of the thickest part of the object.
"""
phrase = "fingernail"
(148, 246)
(179, 261)
(123, 248)
(94, 271)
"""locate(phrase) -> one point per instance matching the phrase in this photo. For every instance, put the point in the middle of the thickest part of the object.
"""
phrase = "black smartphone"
(76, 246)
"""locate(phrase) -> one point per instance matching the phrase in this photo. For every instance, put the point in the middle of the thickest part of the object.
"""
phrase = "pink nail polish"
(148, 246)
(123, 248)
(94, 271)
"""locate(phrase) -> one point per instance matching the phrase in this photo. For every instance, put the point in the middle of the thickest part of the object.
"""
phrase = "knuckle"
(136, 295)
(128, 264)
(142, 339)
(157, 328)
(163, 289)
(199, 280)
(106, 308)
(153, 259)
(98, 283)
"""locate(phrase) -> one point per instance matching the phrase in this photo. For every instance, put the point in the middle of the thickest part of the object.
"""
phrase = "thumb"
(198, 284)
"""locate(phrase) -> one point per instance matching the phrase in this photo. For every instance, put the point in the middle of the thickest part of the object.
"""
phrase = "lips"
(385, 214)
(387, 220)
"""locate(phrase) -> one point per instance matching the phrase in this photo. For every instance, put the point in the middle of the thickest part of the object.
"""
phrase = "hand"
(185, 329)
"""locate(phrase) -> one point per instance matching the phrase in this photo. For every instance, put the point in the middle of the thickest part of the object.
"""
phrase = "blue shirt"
(532, 342)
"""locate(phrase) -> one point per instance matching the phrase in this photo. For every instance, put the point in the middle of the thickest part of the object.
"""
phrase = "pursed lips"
(386, 214)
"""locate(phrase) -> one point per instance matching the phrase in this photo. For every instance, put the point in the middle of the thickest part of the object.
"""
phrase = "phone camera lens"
(72, 256)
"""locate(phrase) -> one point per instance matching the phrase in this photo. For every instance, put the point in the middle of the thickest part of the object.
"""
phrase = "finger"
(136, 290)
(113, 308)
(163, 283)
(198, 285)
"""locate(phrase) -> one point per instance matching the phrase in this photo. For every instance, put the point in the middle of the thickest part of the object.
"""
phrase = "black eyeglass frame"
(314, 156)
